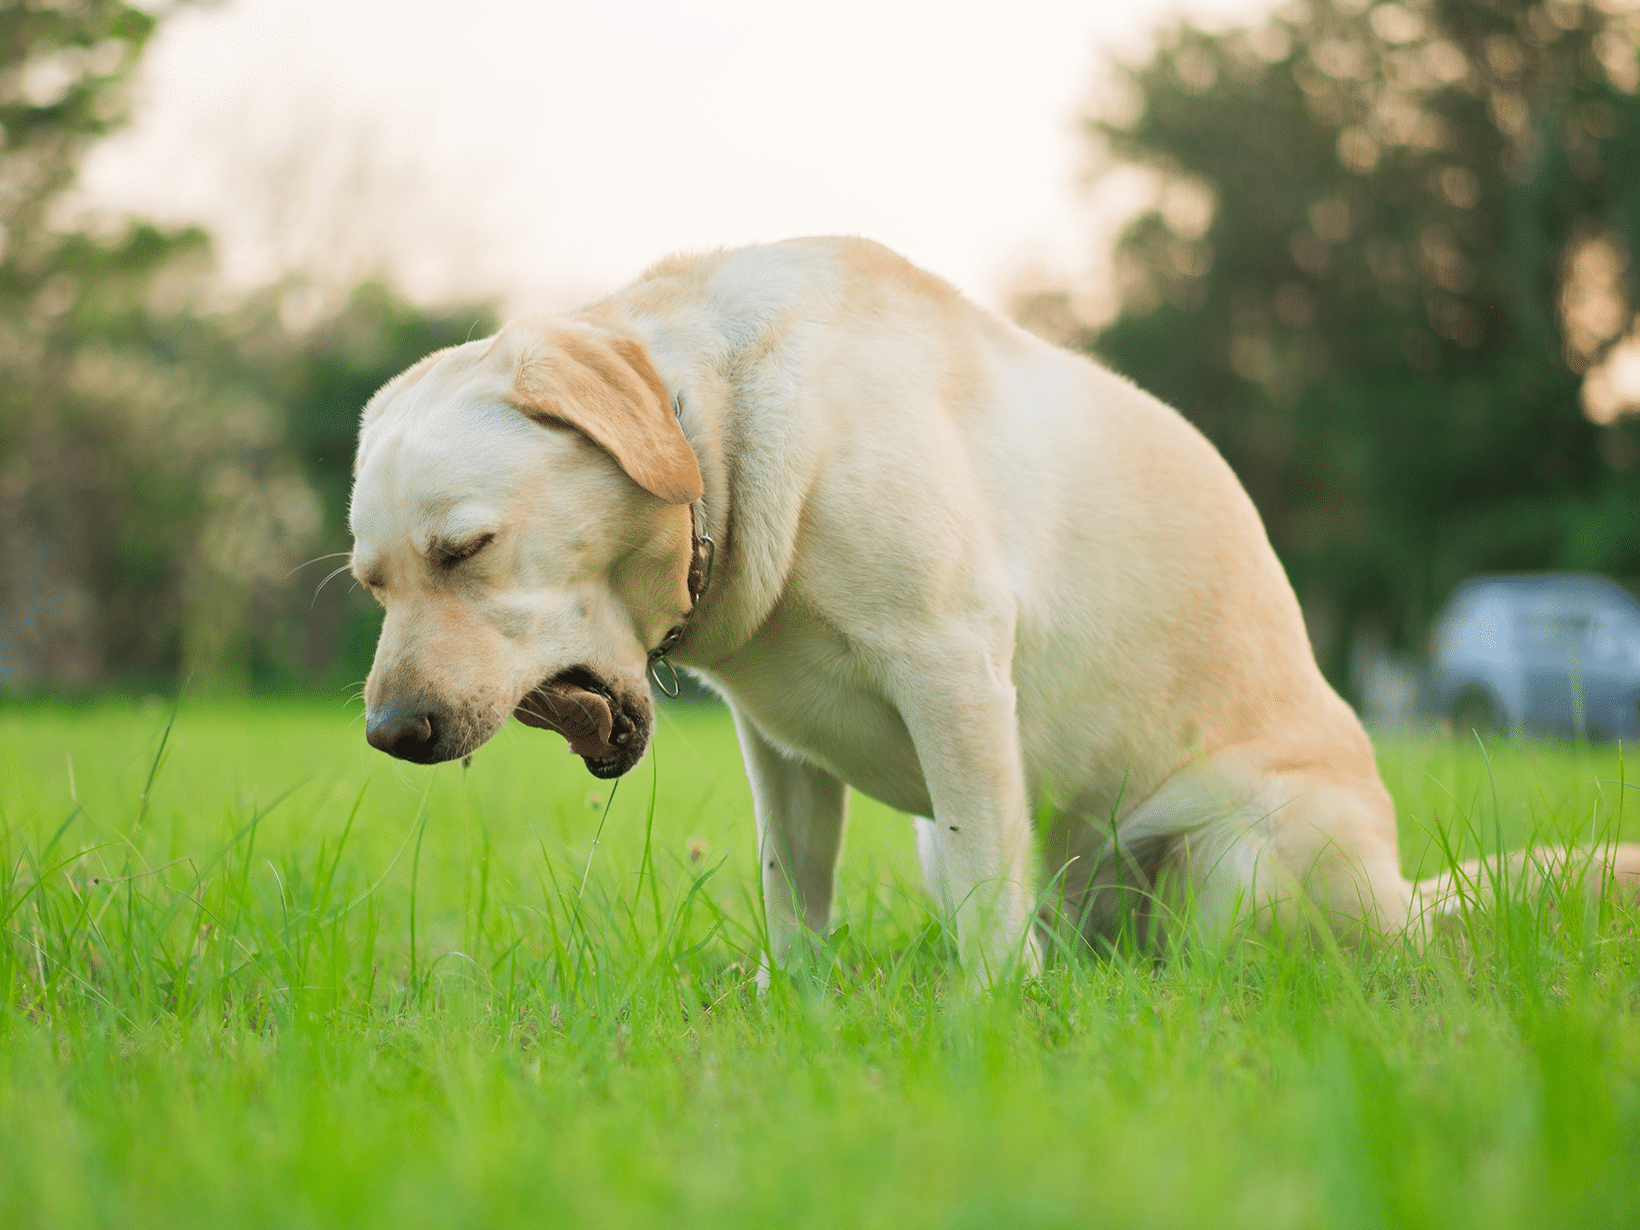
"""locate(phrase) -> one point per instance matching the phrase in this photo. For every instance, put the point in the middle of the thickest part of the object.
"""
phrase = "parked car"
(1555, 653)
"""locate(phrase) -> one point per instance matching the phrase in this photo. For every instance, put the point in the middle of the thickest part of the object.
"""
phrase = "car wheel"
(1476, 712)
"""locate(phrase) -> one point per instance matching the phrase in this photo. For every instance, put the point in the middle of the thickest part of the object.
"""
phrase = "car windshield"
(1546, 628)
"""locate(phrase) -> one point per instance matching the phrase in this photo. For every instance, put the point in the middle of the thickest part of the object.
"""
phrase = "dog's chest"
(810, 696)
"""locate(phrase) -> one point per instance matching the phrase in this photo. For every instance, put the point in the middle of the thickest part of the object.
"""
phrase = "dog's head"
(521, 511)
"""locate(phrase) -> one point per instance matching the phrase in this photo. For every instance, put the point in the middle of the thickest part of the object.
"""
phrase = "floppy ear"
(605, 387)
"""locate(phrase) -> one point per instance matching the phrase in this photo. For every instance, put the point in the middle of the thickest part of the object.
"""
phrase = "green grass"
(290, 982)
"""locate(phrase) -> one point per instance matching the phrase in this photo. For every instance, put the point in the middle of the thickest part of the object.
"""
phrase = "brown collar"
(702, 554)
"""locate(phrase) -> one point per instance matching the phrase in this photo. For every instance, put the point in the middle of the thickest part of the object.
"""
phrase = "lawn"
(255, 974)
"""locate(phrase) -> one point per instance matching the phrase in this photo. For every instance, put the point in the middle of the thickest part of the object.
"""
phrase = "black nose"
(410, 732)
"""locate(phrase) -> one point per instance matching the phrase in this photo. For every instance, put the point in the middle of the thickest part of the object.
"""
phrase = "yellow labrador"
(920, 552)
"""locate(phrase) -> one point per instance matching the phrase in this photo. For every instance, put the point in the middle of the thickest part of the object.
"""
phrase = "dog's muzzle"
(606, 729)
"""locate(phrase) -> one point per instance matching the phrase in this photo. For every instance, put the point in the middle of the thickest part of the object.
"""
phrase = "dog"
(920, 552)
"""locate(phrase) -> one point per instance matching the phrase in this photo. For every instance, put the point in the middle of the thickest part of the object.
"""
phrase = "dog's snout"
(410, 732)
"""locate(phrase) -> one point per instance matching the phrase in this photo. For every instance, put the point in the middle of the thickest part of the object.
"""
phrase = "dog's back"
(904, 462)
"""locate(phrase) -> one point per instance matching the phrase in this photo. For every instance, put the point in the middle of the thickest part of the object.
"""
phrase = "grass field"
(281, 980)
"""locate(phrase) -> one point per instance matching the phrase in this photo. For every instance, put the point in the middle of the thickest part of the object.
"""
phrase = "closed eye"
(449, 554)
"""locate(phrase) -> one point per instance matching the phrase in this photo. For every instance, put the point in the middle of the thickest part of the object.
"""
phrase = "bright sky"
(549, 151)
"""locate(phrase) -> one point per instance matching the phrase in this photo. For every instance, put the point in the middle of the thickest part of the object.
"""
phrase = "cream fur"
(969, 574)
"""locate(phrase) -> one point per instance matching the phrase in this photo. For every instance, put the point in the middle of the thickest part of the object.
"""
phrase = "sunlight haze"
(549, 152)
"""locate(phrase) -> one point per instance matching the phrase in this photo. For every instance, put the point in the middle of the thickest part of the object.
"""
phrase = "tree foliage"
(1389, 276)
(165, 460)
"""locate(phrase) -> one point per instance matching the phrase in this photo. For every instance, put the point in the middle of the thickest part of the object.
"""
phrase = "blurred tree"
(165, 461)
(126, 481)
(1389, 274)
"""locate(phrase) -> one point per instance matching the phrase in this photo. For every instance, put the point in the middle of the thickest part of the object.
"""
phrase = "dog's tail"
(1599, 871)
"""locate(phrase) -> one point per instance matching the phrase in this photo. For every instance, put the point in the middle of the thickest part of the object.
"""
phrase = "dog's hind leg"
(1284, 853)
(801, 812)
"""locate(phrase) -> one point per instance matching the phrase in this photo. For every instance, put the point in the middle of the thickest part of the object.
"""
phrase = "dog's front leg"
(800, 815)
(976, 851)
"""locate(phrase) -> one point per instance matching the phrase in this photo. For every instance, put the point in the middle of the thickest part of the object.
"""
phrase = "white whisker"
(338, 572)
(316, 559)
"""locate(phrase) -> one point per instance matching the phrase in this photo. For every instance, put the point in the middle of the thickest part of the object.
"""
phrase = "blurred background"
(1383, 254)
